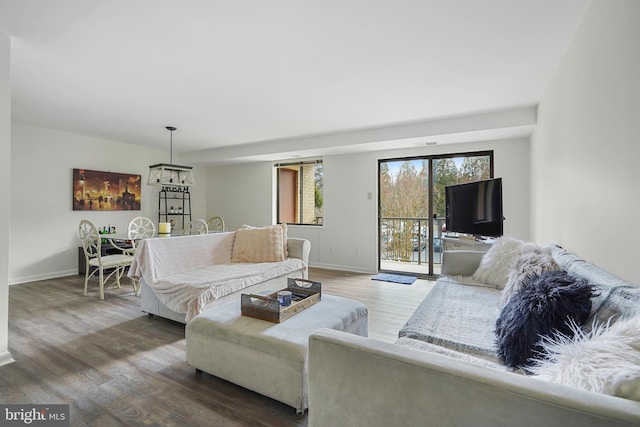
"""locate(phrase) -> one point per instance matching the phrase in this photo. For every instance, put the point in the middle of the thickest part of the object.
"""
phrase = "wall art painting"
(105, 191)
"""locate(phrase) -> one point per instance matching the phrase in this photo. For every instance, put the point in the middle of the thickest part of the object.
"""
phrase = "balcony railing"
(406, 240)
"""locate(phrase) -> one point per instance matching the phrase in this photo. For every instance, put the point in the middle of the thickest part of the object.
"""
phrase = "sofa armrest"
(299, 248)
(359, 381)
(461, 263)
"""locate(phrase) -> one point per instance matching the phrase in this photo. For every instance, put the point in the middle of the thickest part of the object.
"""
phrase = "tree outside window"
(404, 198)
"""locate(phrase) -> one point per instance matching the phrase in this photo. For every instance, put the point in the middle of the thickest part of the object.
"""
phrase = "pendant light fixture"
(168, 174)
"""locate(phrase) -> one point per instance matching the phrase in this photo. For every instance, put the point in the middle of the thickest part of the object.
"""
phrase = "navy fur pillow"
(541, 307)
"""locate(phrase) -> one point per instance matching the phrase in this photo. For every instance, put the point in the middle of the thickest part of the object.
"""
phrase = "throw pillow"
(285, 237)
(546, 305)
(284, 228)
(534, 260)
(496, 263)
(604, 360)
(258, 244)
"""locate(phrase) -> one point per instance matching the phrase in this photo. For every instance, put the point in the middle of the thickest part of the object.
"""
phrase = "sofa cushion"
(545, 305)
(457, 316)
(159, 258)
(614, 304)
(460, 263)
(466, 357)
(604, 360)
(497, 262)
(533, 260)
(613, 298)
(259, 244)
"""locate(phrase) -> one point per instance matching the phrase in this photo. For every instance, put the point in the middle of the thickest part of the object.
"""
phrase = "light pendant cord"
(171, 129)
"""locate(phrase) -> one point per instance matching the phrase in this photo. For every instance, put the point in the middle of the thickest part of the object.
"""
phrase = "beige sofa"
(184, 275)
(428, 378)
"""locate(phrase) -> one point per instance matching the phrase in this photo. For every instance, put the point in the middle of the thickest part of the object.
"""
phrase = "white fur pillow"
(496, 263)
(605, 360)
(534, 260)
(258, 244)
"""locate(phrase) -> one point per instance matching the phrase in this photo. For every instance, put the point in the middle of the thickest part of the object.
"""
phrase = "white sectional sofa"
(443, 369)
(182, 276)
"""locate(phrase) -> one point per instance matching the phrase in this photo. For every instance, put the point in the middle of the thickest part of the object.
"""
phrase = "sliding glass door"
(411, 210)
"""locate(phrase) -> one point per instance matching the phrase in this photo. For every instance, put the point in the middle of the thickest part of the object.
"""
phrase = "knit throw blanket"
(457, 316)
(191, 291)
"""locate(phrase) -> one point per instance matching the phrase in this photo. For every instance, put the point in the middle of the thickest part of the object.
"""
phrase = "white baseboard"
(341, 268)
(5, 358)
(43, 276)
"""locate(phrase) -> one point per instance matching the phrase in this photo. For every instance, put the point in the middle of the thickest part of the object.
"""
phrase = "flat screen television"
(475, 208)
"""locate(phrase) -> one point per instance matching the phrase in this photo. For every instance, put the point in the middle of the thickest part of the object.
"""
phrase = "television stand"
(465, 244)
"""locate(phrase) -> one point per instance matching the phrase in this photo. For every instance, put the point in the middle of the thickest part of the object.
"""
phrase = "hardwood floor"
(390, 304)
(116, 366)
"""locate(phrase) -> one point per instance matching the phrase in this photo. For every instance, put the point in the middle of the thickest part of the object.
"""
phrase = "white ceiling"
(266, 72)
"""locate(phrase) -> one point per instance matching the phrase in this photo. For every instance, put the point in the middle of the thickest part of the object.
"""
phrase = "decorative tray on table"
(304, 293)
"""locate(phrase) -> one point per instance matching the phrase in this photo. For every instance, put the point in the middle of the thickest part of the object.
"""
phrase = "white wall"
(240, 194)
(348, 239)
(44, 227)
(586, 149)
(5, 188)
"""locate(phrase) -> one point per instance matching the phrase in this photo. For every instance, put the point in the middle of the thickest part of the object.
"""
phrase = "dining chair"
(197, 226)
(140, 228)
(98, 263)
(215, 224)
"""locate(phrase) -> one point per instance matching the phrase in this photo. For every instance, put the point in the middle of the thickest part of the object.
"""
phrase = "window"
(412, 206)
(300, 192)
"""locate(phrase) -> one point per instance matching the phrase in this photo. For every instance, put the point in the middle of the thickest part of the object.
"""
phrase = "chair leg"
(136, 286)
(101, 284)
(86, 278)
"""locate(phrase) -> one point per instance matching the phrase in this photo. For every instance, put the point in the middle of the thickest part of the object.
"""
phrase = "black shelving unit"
(174, 203)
